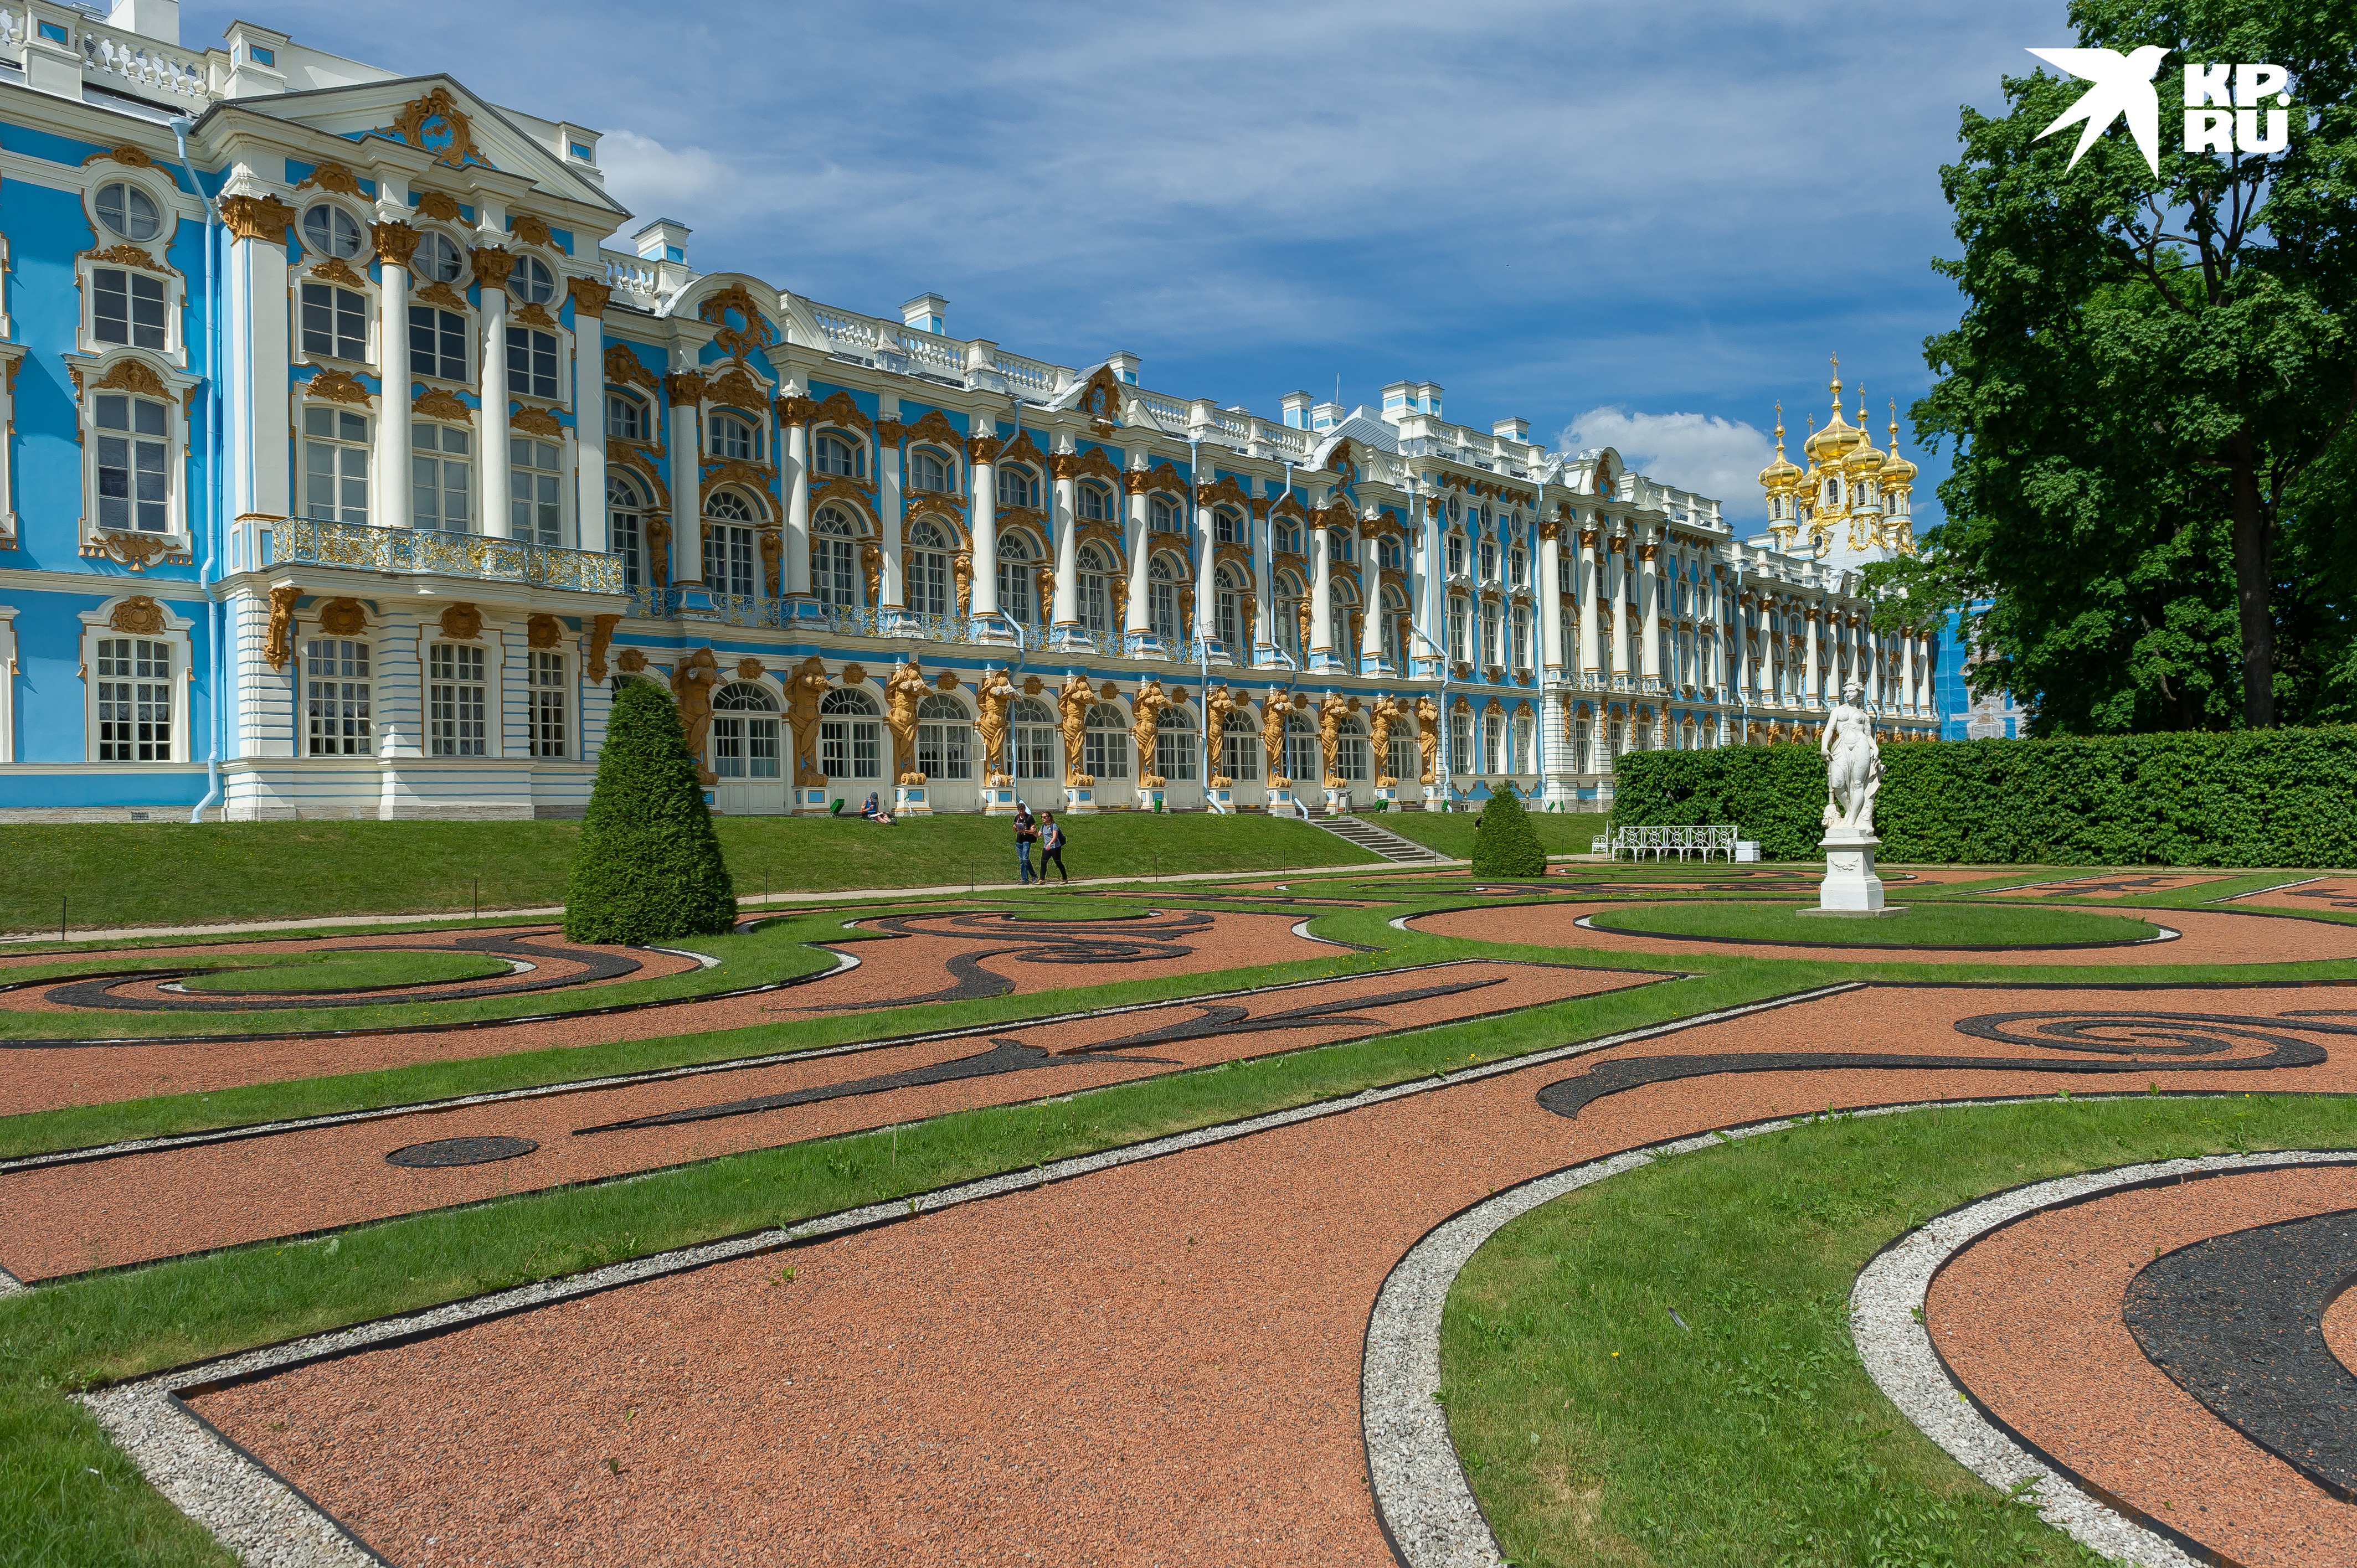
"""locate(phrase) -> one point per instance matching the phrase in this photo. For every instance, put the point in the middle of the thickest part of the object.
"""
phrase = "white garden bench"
(1662, 843)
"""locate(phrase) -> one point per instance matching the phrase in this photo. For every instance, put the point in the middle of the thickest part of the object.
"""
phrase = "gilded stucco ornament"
(1272, 738)
(342, 618)
(962, 571)
(690, 686)
(257, 218)
(439, 206)
(805, 689)
(436, 403)
(993, 695)
(127, 156)
(736, 388)
(535, 314)
(1386, 712)
(462, 623)
(751, 331)
(443, 295)
(537, 422)
(333, 177)
(492, 265)
(543, 631)
(435, 124)
(136, 551)
(278, 646)
(902, 692)
(627, 367)
(335, 269)
(749, 668)
(601, 637)
(1101, 400)
(855, 674)
(131, 375)
(1073, 701)
(590, 297)
(772, 546)
(1146, 719)
(631, 661)
(1428, 737)
(684, 388)
(338, 386)
(137, 614)
(530, 230)
(871, 567)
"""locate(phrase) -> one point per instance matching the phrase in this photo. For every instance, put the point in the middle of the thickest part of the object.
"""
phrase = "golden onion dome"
(1827, 447)
(1896, 471)
(1782, 475)
(1863, 460)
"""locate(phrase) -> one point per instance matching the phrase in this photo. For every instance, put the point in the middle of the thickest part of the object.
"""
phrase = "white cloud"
(1720, 458)
(655, 181)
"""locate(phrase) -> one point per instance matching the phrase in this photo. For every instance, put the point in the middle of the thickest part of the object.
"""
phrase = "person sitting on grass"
(1051, 846)
(873, 812)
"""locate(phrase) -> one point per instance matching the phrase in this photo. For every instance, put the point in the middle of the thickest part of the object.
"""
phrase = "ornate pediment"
(435, 124)
(743, 328)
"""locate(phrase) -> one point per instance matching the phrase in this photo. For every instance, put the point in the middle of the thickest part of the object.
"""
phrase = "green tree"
(648, 867)
(2145, 377)
(1504, 843)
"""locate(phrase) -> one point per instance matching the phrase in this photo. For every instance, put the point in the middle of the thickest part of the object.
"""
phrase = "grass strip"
(68, 1497)
(1930, 925)
(1597, 1432)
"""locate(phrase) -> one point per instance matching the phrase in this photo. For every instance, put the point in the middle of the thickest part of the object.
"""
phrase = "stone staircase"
(1381, 841)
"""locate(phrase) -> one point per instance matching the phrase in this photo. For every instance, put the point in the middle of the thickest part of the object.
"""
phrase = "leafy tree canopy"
(2151, 391)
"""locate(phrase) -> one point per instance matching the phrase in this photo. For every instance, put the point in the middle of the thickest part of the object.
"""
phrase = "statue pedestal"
(1080, 801)
(1387, 797)
(908, 800)
(808, 801)
(1436, 797)
(998, 800)
(1337, 800)
(1221, 799)
(1280, 801)
(1149, 797)
(1850, 887)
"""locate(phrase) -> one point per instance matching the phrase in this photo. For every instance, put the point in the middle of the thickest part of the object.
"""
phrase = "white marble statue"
(1853, 766)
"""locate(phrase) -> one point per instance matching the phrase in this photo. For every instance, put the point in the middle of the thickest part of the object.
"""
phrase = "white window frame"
(371, 317)
(442, 459)
(1105, 742)
(176, 449)
(169, 283)
(491, 688)
(97, 624)
(366, 446)
(563, 474)
(538, 663)
(470, 347)
(308, 738)
(8, 683)
(161, 190)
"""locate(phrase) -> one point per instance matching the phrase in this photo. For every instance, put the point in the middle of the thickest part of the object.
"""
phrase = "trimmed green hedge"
(2286, 797)
(1504, 843)
(646, 867)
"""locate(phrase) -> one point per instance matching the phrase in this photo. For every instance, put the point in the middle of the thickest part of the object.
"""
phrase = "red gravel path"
(890, 971)
(2341, 1329)
(2116, 884)
(2209, 938)
(2029, 1318)
(1158, 1363)
(2325, 893)
(66, 1219)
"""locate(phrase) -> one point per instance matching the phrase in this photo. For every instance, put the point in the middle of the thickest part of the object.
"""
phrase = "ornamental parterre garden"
(1604, 1214)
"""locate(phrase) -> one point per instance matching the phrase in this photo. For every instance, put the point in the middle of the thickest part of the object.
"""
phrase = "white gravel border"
(1426, 1507)
(265, 1521)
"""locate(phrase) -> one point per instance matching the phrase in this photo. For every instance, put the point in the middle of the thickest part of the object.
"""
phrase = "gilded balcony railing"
(308, 542)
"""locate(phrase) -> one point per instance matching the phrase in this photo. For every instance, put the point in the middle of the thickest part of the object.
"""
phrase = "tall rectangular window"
(1459, 647)
(134, 699)
(535, 491)
(728, 559)
(1460, 743)
(1036, 751)
(549, 734)
(1240, 750)
(126, 307)
(1522, 637)
(531, 363)
(456, 704)
(336, 698)
(335, 322)
(335, 464)
(1174, 753)
(438, 344)
(132, 479)
(441, 477)
(1489, 632)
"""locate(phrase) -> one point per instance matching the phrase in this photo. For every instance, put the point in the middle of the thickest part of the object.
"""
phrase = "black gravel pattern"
(2237, 1321)
(443, 1152)
(2151, 1041)
(1037, 942)
(100, 992)
(1218, 1019)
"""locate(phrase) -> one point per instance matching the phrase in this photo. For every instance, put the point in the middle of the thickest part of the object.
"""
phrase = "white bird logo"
(2123, 89)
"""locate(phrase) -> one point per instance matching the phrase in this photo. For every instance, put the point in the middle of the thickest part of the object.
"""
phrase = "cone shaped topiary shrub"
(649, 866)
(1504, 843)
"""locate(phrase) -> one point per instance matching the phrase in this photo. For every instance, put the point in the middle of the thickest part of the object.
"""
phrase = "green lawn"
(119, 874)
(1920, 925)
(1597, 1433)
(1451, 832)
(295, 973)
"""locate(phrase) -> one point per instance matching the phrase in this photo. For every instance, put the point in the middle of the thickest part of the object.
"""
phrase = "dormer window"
(734, 437)
(531, 283)
(129, 211)
(437, 259)
(331, 232)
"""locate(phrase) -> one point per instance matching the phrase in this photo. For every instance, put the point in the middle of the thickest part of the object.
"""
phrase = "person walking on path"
(1051, 846)
(1025, 832)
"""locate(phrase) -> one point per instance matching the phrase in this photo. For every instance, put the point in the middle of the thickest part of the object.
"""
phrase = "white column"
(1648, 584)
(1066, 611)
(985, 447)
(1370, 596)
(257, 410)
(1587, 581)
(1907, 672)
(1135, 616)
(687, 390)
(1207, 535)
(395, 243)
(890, 590)
(1618, 602)
(794, 473)
(589, 411)
(1321, 591)
(1550, 597)
(495, 517)
(1263, 576)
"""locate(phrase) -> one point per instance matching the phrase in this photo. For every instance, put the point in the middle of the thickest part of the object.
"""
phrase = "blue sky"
(1640, 224)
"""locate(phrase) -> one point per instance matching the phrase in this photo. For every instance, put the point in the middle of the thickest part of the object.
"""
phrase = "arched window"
(1287, 614)
(1305, 762)
(926, 563)
(1096, 503)
(849, 735)
(1240, 748)
(1286, 532)
(1105, 748)
(1232, 630)
(744, 732)
(1227, 527)
(834, 558)
(1034, 738)
(1456, 551)
(1018, 485)
(1350, 749)
(730, 552)
(1460, 630)
(626, 417)
(1162, 516)
(1583, 741)
(930, 471)
(1176, 741)
(626, 528)
(1097, 569)
(1018, 594)
(734, 438)
(944, 736)
(1491, 723)
(1162, 579)
(838, 454)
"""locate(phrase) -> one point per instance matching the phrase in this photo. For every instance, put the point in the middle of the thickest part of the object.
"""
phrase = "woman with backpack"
(1051, 846)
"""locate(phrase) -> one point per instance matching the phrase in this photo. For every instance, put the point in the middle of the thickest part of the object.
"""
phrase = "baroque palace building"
(349, 468)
